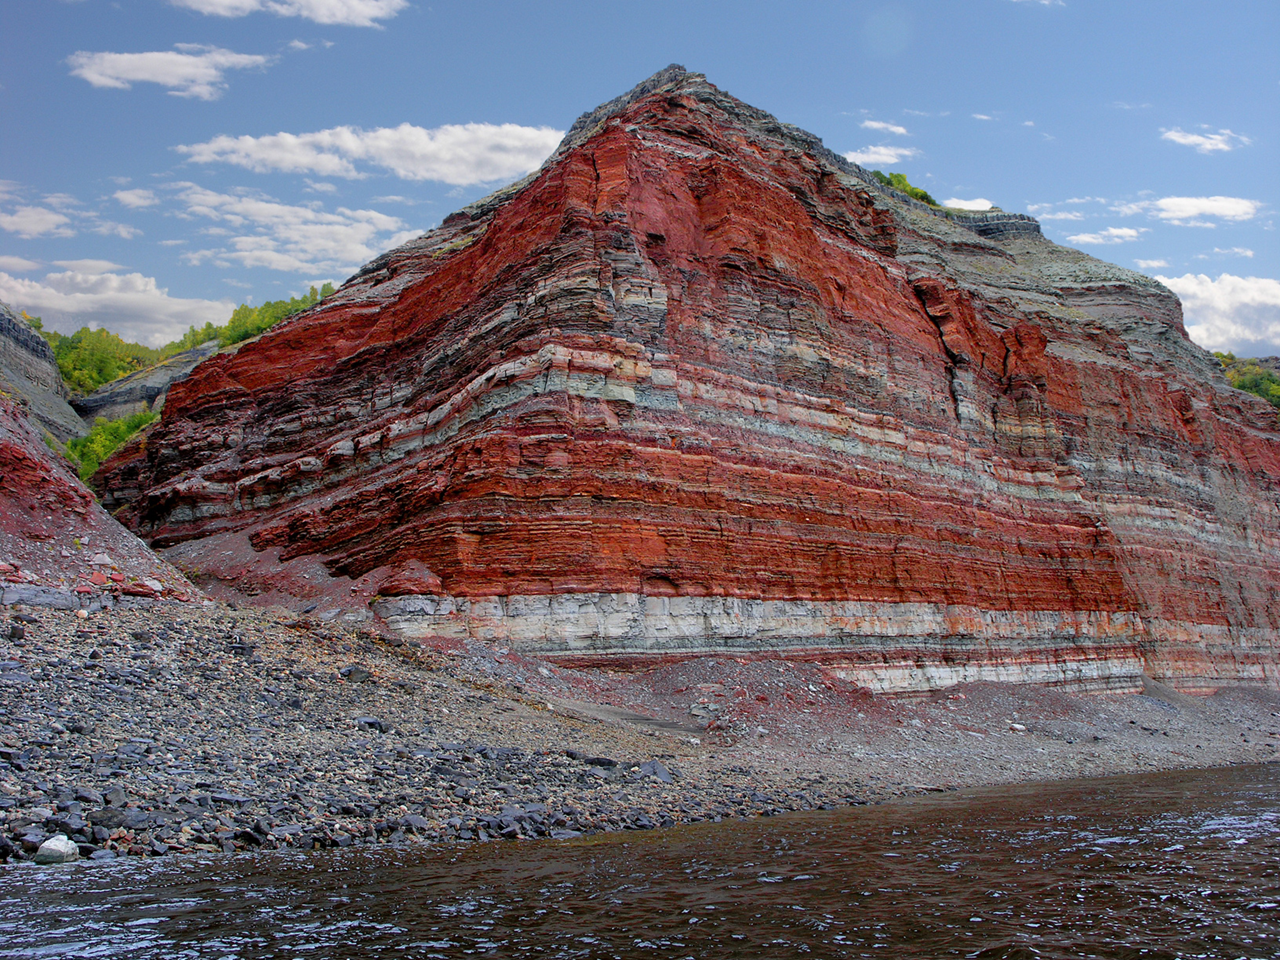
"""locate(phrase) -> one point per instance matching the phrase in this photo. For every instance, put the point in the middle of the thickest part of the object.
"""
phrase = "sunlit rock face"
(699, 386)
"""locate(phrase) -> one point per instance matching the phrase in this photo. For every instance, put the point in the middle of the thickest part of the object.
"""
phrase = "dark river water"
(1170, 865)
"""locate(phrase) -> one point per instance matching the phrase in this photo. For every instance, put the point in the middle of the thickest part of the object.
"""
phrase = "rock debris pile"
(171, 728)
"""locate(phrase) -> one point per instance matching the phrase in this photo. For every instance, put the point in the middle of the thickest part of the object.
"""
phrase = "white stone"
(57, 849)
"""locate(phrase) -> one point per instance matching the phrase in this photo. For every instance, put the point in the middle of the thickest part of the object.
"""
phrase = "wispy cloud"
(981, 116)
(1232, 252)
(350, 13)
(885, 127)
(869, 156)
(263, 232)
(1109, 235)
(18, 264)
(1230, 313)
(1151, 264)
(1221, 142)
(460, 154)
(1191, 211)
(135, 199)
(1063, 215)
(190, 70)
(88, 266)
(979, 203)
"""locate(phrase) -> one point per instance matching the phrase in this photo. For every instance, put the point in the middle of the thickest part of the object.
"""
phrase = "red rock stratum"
(699, 384)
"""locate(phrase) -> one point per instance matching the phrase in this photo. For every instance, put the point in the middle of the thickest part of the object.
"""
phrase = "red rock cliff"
(698, 385)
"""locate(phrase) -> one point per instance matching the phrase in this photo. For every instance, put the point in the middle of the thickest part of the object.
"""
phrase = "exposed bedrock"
(696, 386)
(29, 373)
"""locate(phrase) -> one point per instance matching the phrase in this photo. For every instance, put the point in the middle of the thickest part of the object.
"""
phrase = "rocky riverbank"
(164, 727)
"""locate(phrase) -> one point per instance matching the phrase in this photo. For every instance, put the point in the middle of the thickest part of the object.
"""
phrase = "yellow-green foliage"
(1248, 375)
(247, 321)
(89, 358)
(899, 182)
(89, 452)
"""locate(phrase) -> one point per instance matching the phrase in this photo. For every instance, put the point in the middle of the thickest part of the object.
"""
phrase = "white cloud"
(136, 198)
(981, 203)
(28, 222)
(1220, 142)
(62, 201)
(350, 13)
(1109, 235)
(869, 156)
(981, 116)
(1063, 215)
(93, 267)
(1044, 3)
(1151, 264)
(262, 232)
(460, 154)
(320, 186)
(1186, 211)
(1235, 251)
(17, 264)
(128, 304)
(192, 70)
(299, 45)
(109, 228)
(1241, 314)
(886, 127)
(1028, 123)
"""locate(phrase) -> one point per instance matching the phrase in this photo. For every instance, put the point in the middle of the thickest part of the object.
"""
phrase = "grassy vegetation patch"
(87, 453)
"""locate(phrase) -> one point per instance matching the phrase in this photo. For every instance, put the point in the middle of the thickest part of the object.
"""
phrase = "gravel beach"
(163, 727)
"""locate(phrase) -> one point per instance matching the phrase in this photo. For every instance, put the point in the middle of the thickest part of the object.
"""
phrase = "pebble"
(177, 728)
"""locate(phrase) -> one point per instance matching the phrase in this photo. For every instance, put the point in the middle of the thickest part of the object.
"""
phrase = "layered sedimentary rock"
(29, 373)
(58, 547)
(143, 391)
(699, 385)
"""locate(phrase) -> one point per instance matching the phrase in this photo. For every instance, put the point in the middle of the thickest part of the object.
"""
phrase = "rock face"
(58, 547)
(142, 391)
(699, 384)
(29, 372)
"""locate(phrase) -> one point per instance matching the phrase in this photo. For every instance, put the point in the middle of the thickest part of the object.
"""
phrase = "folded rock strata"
(701, 385)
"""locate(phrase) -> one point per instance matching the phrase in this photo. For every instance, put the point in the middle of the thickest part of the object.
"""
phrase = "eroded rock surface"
(29, 373)
(698, 384)
(58, 547)
(143, 391)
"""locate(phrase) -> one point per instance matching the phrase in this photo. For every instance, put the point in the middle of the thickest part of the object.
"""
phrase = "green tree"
(1244, 374)
(90, 451)
(900, 183)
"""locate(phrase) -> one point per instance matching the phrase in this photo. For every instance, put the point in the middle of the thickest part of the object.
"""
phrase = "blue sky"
(164, 160)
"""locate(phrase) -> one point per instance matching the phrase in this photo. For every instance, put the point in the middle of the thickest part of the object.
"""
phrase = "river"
(1164, 865)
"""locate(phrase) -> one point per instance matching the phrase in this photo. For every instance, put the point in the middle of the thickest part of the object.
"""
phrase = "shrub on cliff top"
(900, 183)
(1249, 375)
(89, 358)
(247, 321)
